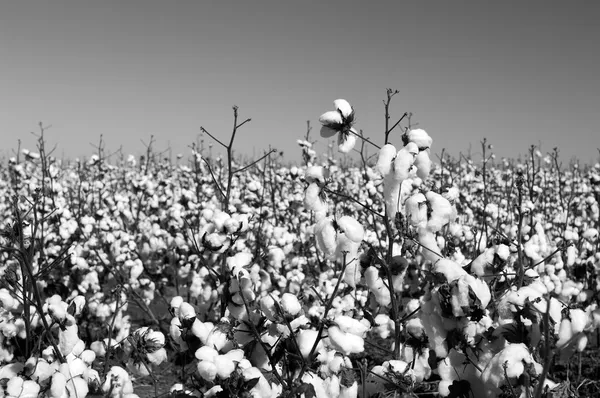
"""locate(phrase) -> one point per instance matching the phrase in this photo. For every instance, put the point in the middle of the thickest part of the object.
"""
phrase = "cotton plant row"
(288, 287)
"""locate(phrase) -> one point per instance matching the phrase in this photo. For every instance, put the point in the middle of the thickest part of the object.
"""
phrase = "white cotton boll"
(239, 260)
(571, 256)
(352, 272)
(428, 245)
(352, 228)
(306, 339)
(207, 370)
(186, 311)
(225, 366)
(316, 173)
(262, 389)
(503, 252)
(482, 262)
(206, 353)
(420, 137)
(384, 326)
(346, 142)
(377, 286)
(312, 198)
(423, 165)
(386, 156)
(345, 343)
(202, 329)
(565, 333)
(591, 234)
(512, 358)
(343, 106)
(404, 161)
(67, 339)
(325, 236)
(350, 325)
(290, 304)
(328, 119)
(416, 210)
(442, 211)
(480, 288)
(391, 194)
(450, 269)
(579, 320)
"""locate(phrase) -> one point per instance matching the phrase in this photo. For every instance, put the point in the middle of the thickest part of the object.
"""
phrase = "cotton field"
(407, 274)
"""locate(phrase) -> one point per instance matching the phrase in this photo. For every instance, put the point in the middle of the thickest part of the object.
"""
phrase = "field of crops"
(404, 275)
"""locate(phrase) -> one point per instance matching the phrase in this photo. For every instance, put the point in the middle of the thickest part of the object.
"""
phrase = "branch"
(255, 162)
(212, 136)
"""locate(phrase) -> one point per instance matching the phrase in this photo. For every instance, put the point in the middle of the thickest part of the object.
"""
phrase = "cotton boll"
(306, 339)
(579, 320)
(511, 360)
(442, 212)
(450, 269)
(346, 142)
(350, 325)
(352, 228)
(416, 210)
(423, 165)
(325, 236)
(377, 286)
(420, 138)
(262, 389)
(352, 273)
(391, 195)
(207, 370)
(386, 156)
(482, 262)
(330, 118)
(290, 304)
(343, 107)
(316, 173)
(428, 243)
(404, 161)
(345, 343)
(312, 196)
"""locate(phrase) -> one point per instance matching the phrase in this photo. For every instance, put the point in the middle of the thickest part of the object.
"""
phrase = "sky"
(518, 73)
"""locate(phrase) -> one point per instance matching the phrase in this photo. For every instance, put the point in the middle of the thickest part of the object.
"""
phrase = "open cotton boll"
(391, 194)
(579, 320)
(420, 138)
(404, 161)
(262, 389)
(386, 156)
(483, 261)
(343, 106)
(377, 286)
(450, 269)
(511, 360)
(345, 343)
(442, 211)
(330, 118)
(350, 325)
(346, 142)
(352, 228)
(423, 165)
(325, 236)
(290, 304)
(316, 173)
(306, 338)
(428, 243)
(590, 234)
(239, 260)
(352, 272)
(416, 210)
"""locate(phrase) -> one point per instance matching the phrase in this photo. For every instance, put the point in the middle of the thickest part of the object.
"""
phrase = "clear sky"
(516, 72)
